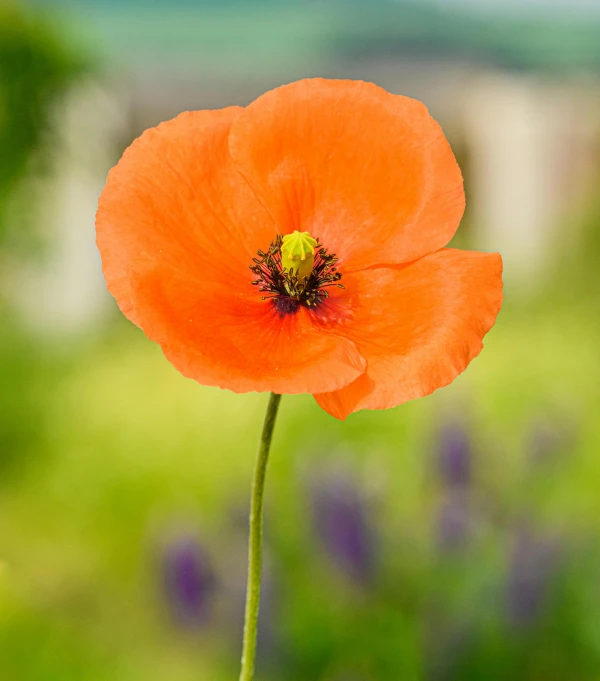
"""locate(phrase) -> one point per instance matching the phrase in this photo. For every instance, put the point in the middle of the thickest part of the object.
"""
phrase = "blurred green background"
(455, 537)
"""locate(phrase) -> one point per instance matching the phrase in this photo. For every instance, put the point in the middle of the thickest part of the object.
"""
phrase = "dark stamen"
(286, 289)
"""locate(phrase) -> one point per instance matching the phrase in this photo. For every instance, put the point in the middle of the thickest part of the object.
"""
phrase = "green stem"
(255, 545)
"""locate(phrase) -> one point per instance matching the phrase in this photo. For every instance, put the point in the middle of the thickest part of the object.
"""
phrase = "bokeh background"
(455, 537)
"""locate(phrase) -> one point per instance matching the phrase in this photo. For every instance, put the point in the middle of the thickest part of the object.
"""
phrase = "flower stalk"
(255, 542)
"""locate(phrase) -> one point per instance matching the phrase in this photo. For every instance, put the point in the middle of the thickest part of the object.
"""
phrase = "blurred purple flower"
(188, 580)
(532, 564)
(454, 522)
(454, 456)
(343, 527)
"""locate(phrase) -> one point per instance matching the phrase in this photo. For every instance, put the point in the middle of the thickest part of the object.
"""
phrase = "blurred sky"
(495, 5)
(520, 6)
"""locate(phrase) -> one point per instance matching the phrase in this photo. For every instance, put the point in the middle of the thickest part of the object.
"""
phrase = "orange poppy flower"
(366, 191)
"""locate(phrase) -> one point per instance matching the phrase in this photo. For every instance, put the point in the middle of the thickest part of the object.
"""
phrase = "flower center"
(295, 271)
(298, 254)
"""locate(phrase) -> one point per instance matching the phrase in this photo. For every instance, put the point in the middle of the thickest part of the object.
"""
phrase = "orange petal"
(232, 339)
(418, 327)
(176, 196)
(369, 173)
(177, 227)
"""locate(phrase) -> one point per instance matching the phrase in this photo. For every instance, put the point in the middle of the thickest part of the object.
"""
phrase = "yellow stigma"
(298, 254)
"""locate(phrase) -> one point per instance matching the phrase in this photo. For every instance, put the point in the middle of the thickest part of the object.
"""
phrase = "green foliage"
(24, 375)
(122, 450)
(35, 68)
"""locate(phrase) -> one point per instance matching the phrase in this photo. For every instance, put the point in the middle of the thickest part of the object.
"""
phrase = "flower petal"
(177, 227)
(176, 196)
(232, 339)
(369, 173)
(418, 327)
